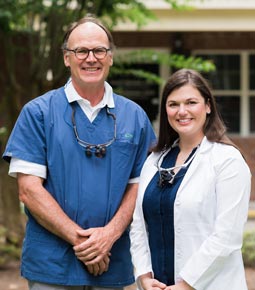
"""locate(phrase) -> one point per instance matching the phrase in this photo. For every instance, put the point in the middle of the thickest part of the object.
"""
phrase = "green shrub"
(9, 251)
(248, 249)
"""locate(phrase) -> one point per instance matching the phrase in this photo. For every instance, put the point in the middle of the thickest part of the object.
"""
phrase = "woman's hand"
(182, 285)
(148, 283)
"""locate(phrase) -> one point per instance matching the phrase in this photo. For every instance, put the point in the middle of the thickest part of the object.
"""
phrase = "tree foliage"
(177, 61)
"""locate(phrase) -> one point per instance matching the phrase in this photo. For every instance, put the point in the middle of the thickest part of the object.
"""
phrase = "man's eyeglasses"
(98, 149)
(83, 52)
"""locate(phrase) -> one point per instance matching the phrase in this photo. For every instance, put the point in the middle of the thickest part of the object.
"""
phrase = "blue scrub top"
(89, 189)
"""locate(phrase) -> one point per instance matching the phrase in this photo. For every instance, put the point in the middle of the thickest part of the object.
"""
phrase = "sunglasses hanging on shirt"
(98, 149)
(167, 175)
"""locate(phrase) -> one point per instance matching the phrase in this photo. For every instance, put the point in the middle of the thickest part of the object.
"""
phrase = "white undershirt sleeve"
(26, 167)
(134, 180)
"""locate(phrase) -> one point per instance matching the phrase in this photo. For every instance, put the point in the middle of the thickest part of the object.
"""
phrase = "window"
(227, 75)
(252, 72)
(226, 85)
(229, 108)
(252, 88)
(252, 114)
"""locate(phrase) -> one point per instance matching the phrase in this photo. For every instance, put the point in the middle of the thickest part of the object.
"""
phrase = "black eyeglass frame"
(98, 149)
(88, 52)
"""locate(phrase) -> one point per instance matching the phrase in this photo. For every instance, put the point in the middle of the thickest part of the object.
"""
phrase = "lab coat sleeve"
(140, 250)
(232, 190)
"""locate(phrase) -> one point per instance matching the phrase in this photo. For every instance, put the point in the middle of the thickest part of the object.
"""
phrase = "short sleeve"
(27, 139)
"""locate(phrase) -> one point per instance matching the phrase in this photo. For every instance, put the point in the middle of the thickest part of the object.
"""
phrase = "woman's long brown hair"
(214, 127)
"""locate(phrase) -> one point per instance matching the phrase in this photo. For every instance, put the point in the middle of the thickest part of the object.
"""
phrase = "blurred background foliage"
(248, 249)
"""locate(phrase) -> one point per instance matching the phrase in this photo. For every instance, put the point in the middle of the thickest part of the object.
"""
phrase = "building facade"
(220, 30)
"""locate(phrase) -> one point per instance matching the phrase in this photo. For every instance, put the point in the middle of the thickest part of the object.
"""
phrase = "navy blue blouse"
(158, 209)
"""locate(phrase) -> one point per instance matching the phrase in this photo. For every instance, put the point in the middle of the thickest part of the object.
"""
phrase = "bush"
(9, 250)
(248, 249)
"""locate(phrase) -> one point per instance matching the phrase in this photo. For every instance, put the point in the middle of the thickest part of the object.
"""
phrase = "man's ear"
(66, 59)
(111, 61)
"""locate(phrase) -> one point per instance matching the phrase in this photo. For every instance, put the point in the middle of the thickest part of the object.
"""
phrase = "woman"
(193, 197)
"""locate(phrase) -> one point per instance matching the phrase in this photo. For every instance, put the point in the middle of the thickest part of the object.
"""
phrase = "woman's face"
(186, 111)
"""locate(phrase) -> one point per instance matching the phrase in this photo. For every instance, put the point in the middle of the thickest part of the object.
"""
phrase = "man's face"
(89, 71)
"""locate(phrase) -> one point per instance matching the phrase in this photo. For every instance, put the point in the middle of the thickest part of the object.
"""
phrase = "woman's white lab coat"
(210, 211)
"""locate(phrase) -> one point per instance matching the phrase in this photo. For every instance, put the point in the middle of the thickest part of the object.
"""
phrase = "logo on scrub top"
(128, 136)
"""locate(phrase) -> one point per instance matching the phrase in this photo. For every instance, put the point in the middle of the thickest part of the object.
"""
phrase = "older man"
(77, 153)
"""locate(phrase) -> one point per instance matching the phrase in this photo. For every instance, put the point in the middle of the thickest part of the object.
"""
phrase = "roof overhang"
(208, 15)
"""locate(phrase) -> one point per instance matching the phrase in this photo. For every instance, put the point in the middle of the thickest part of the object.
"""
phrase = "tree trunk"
(11, 216)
